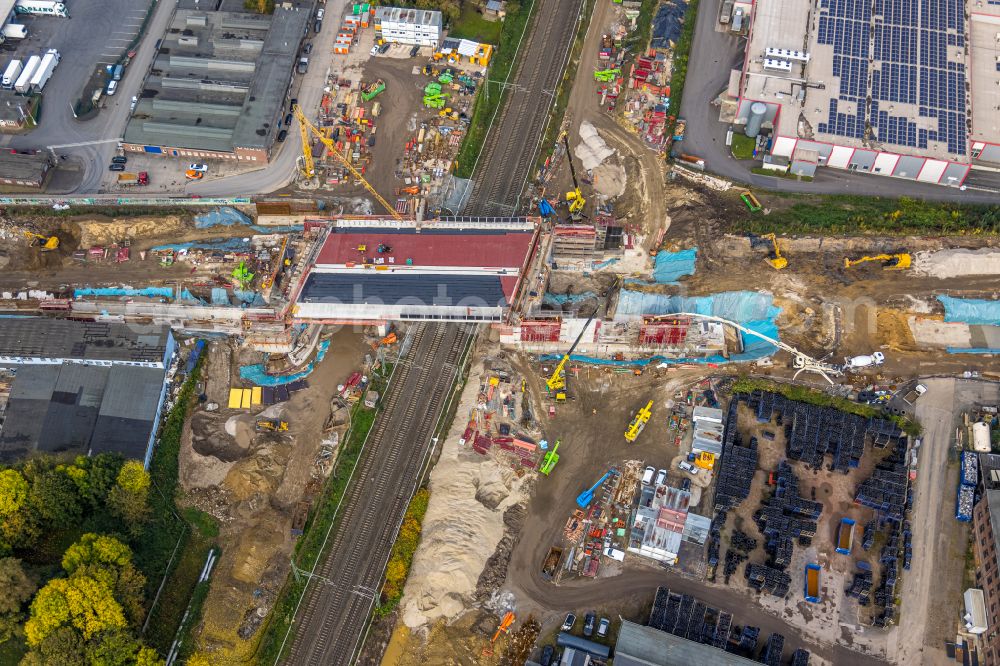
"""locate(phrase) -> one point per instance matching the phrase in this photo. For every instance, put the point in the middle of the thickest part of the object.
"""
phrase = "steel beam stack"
(737, 467)
(786, 516)
(772, 652)
(800, 657)
(767, 579)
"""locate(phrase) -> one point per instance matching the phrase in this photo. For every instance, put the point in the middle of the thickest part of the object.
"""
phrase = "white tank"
(757, 112)
(981, 437)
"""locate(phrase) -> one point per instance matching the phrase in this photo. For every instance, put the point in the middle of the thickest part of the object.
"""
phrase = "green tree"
(53, 496)
(62, 646)
(94, 477)
(80, 602)
(16, 589)
(119, 648)
(13, 492)
(96, 549)
(109, 561)
(129, 498)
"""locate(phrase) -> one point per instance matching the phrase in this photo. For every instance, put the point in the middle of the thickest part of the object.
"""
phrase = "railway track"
(506, 160)
(345, 586)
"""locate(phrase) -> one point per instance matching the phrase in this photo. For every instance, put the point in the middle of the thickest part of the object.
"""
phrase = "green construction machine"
(433, 97)
(550, 459)
(370, 90)
(242, 276)
(607, 75)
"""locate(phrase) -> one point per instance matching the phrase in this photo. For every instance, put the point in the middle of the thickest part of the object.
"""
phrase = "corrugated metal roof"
(101, 341)
(645, 646)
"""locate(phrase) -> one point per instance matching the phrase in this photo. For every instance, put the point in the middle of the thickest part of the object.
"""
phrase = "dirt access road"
(644, 168)
(590, 443)
(931, 595)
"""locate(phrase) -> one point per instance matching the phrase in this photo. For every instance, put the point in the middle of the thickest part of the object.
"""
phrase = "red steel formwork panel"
(540, 331)
(664, 332)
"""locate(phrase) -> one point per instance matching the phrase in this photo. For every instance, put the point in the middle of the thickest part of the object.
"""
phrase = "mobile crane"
(574, 198)
(557, 382)
(309, 166)
(638, 422)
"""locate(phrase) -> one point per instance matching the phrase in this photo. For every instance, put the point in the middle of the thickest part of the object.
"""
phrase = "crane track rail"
(507, 156)
(346, 584)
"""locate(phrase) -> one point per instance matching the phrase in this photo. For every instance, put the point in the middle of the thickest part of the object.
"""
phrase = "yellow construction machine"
(271, 425)
(574, 198)
(774, 258)
(47, 243)
(705, 460)
(891, 262)
(638, 422)
(309, 165)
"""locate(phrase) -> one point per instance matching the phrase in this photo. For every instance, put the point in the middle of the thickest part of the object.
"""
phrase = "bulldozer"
(47, 243)
(890, 262)
(271, 425)
(774, 258)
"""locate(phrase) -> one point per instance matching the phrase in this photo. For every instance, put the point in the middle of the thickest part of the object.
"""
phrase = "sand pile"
(592, 150)
(609, 180)
(104, 232)
(462, 527)
(957, 263)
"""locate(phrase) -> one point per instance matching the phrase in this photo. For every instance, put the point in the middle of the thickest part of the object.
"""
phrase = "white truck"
(865, 361)
(23, 83)
(41, 7)
(10, 74)
(15, 31)
(44, 71)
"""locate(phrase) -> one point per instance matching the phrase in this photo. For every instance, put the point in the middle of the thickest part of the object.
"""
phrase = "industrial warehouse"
(218, 85)
(891, 88)
(81, 387)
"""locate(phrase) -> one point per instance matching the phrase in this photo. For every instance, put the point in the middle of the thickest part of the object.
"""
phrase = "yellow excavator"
(777, 261)
(890, 262)
(309, 164)
(271, 425)
(47, 243)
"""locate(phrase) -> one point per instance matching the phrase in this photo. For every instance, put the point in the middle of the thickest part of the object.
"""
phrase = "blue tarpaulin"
(559, 300)
(972, 350)
(671, 266)
(148, 292)
(258, 373)
(221, 244)
(225, 216)
(220, 296)
(971, 311)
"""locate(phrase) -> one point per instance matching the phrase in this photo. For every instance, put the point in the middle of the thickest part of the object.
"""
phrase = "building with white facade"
(404, 25)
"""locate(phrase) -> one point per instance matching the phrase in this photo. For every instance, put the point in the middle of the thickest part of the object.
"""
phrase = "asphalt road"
(713, 56)
(331, 619)
(512, 143)
(97, 33)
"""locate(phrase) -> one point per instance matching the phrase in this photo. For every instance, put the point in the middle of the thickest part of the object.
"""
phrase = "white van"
(112, 87)
(647, 476)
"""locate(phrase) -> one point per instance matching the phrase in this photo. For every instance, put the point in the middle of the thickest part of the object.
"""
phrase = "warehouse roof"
(19, 166)
(645, 646)
(480, 248)
(42, 338)
(408, 288)
(408, 15)
(86, 409)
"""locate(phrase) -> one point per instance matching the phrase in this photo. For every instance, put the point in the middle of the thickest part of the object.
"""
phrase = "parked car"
(374, 51)
(588, 624)
(194, 175)
(112, 87)
(688, 467)
(203, 168)
(317, 26)
(303, 65)
(602, 628)
(661, 476)
(116, 167)
(282, 135)
(319, 14)
(384, 47)
(293, 102)
(568, 623)
(119, 159)
(647, 475)
(132, 104)
(288, 119)
(307, 49)
(686, 484)
(415, 51)
(547, 653)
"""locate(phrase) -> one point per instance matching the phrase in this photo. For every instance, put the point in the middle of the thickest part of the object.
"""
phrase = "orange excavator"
(502, 628)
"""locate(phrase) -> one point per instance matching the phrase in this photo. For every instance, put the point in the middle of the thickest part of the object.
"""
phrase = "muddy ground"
(253, 482)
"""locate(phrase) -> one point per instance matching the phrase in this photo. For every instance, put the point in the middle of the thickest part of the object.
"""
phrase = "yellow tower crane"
(309, 165)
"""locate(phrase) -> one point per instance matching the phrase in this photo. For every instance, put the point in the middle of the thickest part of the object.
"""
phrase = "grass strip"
(401, 555)
(678, 74)
(491, 97)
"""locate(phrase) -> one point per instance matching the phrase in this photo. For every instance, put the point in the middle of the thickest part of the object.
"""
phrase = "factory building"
(218, 85)
(75, 387)
(400, 25)
(890, 87)
(453, 269)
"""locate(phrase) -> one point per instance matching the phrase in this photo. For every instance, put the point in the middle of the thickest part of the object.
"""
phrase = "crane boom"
(309, 166)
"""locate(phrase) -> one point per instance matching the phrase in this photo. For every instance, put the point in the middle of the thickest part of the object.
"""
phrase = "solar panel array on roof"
(909, 43)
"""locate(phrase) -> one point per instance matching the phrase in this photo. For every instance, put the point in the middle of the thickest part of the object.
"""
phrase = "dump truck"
(914, 393)
(551, 563)
(812, 583)
(141, 178)
(845, 536)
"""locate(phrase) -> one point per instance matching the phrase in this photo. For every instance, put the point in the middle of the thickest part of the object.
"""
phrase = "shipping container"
(10, 74)
(23, 83)
(812, 583)
(845, 536)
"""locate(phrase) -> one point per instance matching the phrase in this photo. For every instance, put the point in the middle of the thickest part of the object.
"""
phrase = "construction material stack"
(967, 486)
(737, 466)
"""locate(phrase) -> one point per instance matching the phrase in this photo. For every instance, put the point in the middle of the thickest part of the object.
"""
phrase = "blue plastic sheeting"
(148, 292)
(563, 299)
(258, 374)
(250, 298)
(671, 266)
(605, 264)
(186, 295)
(226, 216)
(970, 310)
(220, 296)
(222, 245)
(972, 350)
(739, 306)
(277, 229)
